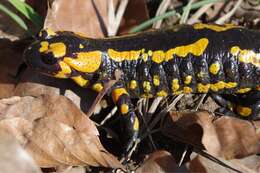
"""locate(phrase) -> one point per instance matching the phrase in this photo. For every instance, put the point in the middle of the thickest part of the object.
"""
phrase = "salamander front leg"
(227, 107)
(130, 122)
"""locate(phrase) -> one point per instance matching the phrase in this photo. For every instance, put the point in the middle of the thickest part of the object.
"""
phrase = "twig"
(114, 18)
(154, 105)
(200, 102)
(195, 17)
(221, 20)
(111, 113)
(161, 9)
(186, 12)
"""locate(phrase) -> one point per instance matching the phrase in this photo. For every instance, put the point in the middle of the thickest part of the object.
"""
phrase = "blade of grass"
(170, 13)
(186, 12)
(28, 12)
(14, 16)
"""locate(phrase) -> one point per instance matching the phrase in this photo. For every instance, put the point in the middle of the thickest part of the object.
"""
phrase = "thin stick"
(114, 17)
(161, 9)
(221, 20)
(195, 17)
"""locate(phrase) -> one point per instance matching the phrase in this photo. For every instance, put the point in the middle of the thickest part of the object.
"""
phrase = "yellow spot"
(175, 85)
(133, 84)
(246, 56)
(58, 49)
(80, 81)
(146, 95)
(162, 93)
(258, 88)
(124, 109)
(81, 46)
(65, 70)
(202, 75)
(145, 57)
(146, 86)
(98, 87)
(40, 34)
(44, 46)
(87, 62)
(187, 90)
(230, 85)
(243, 90)
(196, 49)
(217, 86)
(50, 32)
(214, 68)
(124, 55)
(214, 27)
(203, 88)
(150, 53)
(116, 93)
(136, 124)
(178, 92)
(244, 111)
(158, 56)
(188, 79)
(156, 80)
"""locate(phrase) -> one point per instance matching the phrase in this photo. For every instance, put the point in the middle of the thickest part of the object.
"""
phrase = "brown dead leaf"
(136, 12)
(36, 84)
(54, 131)
(159, 161)
(201, 164)
(78, 16)
(225, 137)
(10, 59)
(14, 159)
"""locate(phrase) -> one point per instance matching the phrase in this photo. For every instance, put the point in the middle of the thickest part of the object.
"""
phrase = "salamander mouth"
(34, 60)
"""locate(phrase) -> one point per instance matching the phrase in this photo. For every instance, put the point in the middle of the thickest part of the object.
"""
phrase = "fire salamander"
(200, 58)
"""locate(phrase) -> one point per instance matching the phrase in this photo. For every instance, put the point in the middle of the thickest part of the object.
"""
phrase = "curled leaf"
(159, 161)
(225, 137)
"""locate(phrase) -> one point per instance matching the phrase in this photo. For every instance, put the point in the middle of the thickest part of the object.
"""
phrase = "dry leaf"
(159, 161)
(78, 16)
(225, 137)
(9, 62)
(136, 12)
(203, 165)
(36, 84)
(54, 131)
(14, 159)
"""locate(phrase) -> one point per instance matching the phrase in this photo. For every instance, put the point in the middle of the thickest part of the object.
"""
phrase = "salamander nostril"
(48, 59)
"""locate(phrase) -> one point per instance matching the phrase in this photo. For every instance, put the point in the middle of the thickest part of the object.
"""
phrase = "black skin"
(231, 70)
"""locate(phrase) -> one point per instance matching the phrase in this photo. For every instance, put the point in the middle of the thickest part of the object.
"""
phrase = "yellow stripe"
(196, 49)
(216, 28)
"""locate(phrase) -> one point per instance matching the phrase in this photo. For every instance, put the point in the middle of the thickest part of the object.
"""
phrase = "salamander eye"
(49, 59)
(46, 34)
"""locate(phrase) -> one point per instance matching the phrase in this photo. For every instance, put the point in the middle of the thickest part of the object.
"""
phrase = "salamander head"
(63, 55)
(46, 54)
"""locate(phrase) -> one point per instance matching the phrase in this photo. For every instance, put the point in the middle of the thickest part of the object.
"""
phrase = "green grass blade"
(14, 16)
(27, 11)
(148, 23)
(186, 12)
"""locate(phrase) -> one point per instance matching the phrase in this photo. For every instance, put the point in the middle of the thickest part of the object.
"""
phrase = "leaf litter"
(58, 128)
